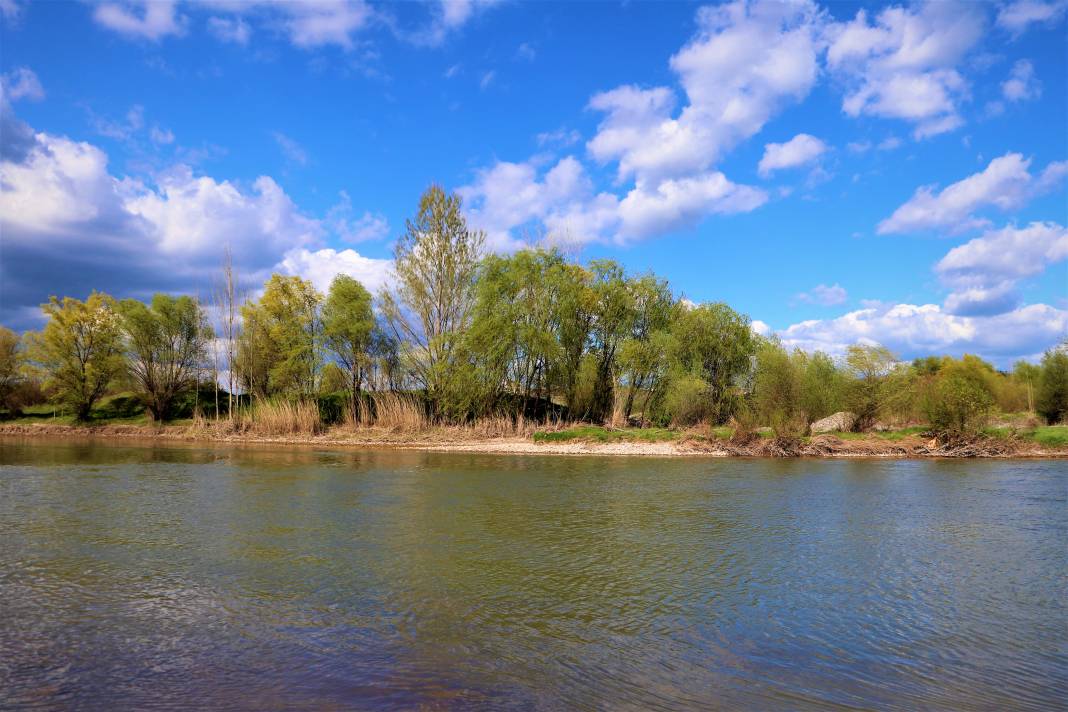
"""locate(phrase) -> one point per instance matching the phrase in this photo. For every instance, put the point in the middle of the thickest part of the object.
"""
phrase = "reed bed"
(280, 418)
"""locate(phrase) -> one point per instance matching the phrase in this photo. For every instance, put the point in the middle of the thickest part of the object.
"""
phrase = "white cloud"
(21, 83)
(450, 16)
(801, 149)
(63, 212)
(487, 79)
(912, 330)
(1019, 15)
(512, 196)
(230, 29)
(562, 137)
(321, 266)
(1006, 183)
(747, 61)
(292, 150)
(984, 272)
(824, 295)
(366, 228)
(1021, 84)
(146, 19)
(903, 65)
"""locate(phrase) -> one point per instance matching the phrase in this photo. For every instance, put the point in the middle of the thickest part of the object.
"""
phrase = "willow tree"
(278, 350)
(436, 262)
(348, 330)
(79, 350)
(166, 343)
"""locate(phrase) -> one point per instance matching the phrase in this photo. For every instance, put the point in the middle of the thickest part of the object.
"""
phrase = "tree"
(714, 344)
(165, 344)
(436, 262)
(279, 347)
(869, 366)
(1028, 375)
(79, 349)
(226, 305)
(348, 330)
(962, 398)
(10, 362)
(1052, 397)
(643, 355)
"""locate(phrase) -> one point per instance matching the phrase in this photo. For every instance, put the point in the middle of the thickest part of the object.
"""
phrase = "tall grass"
(399, 412)
(281, 418)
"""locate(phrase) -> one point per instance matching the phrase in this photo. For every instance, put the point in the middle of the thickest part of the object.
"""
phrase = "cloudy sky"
(841, 172)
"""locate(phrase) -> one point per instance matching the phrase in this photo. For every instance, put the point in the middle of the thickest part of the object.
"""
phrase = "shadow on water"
(188, 576)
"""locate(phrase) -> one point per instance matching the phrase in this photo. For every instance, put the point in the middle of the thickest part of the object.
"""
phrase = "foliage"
(961, 400)
(869, 367)
(348, 331)
(79, 350)
(165, 345)
(1051, 399)
(436, 262)
(278, 352)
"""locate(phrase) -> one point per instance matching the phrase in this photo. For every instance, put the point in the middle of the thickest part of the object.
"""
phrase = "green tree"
(643, 356)
(514, 328)
(1027, 375)
(613, 321)
(870, 367)
(1051, 399)
(279, 349)
(348, 330)
(165, 344)
(11, 358)
(436, 261)
(79, 350)
(714, 344)
(961, 399)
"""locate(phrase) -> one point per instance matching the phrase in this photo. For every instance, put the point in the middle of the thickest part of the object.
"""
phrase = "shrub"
(961, 399)
(1052, 397)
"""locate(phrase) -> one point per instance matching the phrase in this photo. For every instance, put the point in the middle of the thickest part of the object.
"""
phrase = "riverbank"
(665, 444)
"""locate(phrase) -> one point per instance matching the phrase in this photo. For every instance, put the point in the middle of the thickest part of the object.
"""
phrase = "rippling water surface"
(181, 577)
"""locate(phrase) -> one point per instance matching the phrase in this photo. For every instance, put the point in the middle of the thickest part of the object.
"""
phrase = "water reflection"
(251, 578)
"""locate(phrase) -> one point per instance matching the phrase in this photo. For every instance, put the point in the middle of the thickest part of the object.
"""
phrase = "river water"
(141, 577)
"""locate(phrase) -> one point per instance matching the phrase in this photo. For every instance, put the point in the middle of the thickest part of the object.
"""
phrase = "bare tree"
(226, 304)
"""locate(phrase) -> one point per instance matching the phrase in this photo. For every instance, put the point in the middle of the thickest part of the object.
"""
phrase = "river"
(135, 576)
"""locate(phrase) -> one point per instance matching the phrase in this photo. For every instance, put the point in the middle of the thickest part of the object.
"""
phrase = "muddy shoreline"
(450, 440)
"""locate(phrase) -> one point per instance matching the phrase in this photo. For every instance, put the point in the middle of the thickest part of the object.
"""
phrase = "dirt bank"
(461, 440)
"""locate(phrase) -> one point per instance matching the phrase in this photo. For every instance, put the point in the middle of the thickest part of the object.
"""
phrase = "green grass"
(117, 409)
(603, 435)
(1051, 435)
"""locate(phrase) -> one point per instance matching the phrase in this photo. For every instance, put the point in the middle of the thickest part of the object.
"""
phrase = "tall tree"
(165, 346)
(643, 355)
(1052, 396)
(436, 262)
(870, 367)
(348, 330)
(279, 347)
(715, 345)
(79, 349)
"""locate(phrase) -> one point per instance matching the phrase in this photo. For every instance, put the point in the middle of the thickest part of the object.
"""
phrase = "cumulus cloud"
(144, 19)
(1017, 16)
(903, 64)
(824, 295)
(912, 330)
(1021, 84)
(747, 61)
(801, 149)
(321, 266)
(515, 196)
(1006, 183)
(984, 272)
(63, 213)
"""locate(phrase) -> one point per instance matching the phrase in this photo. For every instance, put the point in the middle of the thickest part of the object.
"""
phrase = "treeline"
(468, 335)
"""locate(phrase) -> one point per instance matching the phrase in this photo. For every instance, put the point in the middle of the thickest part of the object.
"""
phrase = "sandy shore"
(460, 440)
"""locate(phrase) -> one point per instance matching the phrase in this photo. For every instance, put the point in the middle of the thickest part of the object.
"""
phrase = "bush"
(332, 407)
(961, 399)
(1052, 397)
(687, 401)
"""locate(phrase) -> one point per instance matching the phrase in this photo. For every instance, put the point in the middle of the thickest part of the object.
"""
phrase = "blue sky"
(841, 173)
